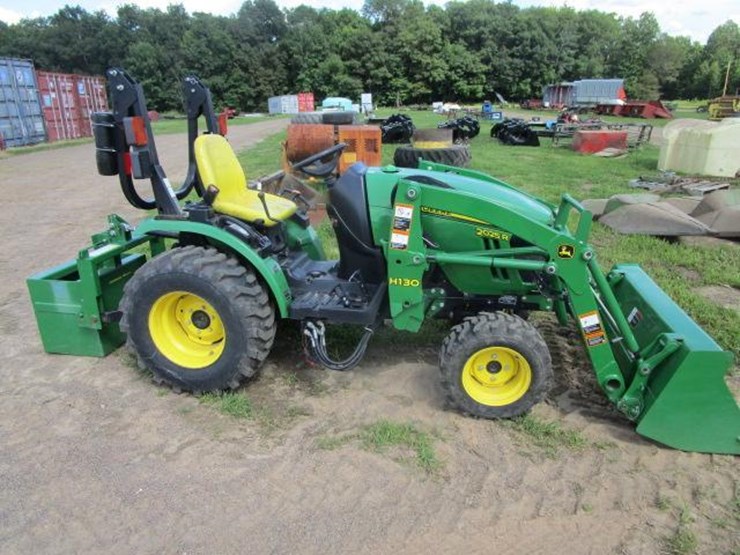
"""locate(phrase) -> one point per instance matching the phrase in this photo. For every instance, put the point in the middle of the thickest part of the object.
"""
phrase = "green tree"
(635, 41)
(723, 49)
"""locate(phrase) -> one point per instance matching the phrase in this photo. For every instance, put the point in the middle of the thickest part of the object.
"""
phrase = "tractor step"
(319, 294)
(339, 301)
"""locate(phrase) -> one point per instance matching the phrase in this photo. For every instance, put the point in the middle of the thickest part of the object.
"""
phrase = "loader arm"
(631, 362)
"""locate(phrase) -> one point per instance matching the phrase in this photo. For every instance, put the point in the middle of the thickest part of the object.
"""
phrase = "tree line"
(400, 50)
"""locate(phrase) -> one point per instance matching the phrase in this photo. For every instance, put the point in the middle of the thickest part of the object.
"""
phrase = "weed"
(162, 392)
(267, 419)
(330, 443)
(685, 517)
(295, 411)
(682, 542)
(587, 508)
(550, 437)
(383, 434)
(230, 403)
(663, 503)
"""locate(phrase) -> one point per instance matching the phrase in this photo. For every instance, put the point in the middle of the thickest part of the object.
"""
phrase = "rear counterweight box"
(76, 303)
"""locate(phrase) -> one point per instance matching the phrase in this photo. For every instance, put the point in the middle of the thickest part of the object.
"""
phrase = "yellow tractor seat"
(218, 166)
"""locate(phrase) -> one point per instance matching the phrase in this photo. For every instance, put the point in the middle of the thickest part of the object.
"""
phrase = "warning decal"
(634, 317)
(593, 331)
(401, 225)
(399, 240)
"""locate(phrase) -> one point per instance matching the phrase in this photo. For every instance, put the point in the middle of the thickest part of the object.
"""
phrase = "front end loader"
(206, 281)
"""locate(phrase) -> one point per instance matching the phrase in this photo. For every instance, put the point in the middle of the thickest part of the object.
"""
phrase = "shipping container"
(286, 104)
(589, 92)
(68, 101)
(306, 102)
(558, 95)
(21, 119)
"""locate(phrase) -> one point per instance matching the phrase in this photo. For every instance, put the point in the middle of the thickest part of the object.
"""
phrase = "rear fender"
(266, 268)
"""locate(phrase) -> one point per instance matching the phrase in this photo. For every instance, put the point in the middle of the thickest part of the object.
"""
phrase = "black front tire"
(235, 295)
(494, 330)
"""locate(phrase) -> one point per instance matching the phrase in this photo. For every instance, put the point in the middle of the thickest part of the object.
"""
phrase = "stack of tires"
(432, 145)
(326, 118)
(408, 156)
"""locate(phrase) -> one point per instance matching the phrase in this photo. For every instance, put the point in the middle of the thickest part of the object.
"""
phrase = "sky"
(693, 18)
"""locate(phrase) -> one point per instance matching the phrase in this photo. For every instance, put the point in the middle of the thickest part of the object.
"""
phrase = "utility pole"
(727, 78)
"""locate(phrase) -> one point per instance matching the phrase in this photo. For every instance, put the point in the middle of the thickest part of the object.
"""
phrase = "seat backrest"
(218, 165)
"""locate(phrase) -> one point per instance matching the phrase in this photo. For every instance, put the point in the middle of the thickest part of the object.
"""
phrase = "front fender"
(266, 268)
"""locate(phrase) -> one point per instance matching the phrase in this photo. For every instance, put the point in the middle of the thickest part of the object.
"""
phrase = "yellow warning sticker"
(402, 215)
(593, 331)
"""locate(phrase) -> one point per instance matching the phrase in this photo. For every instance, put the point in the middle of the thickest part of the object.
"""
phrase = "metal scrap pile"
(515, 132)
(463, 129)
(712, 209)
(397, 129)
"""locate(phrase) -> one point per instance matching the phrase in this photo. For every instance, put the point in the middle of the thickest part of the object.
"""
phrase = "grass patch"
(682, 542)
(382, 435)
(230, 403)
(20, 150)
(330, 443)
(179, 124)
(663, 503)
(549, 437)
(264, 157)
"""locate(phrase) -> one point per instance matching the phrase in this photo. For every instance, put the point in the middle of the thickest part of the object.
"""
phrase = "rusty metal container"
(68, 100)
(307, 139)
(363, 145)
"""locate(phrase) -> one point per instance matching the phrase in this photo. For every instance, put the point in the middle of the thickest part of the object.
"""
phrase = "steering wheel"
(314, 166)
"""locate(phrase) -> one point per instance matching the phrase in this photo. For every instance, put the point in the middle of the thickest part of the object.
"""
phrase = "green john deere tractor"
(197, 288)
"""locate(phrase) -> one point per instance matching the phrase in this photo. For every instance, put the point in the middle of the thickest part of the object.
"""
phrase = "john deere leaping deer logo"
(566, 251)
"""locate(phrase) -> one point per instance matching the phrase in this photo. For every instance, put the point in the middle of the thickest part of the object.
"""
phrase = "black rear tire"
(518, 342)
(237, 302)
(455, 155)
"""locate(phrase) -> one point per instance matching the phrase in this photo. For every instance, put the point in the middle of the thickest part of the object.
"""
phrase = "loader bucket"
(687, 404)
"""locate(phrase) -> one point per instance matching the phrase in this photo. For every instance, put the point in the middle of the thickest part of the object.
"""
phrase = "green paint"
(305, 239)
(71, 300)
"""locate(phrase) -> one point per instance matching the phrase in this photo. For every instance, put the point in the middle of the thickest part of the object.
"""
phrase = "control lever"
(261, 195)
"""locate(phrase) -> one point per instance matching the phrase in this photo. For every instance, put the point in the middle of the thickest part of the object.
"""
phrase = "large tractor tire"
(307, 118)
(495, 365)
(455, 155)
(340, 118)
(198, 319)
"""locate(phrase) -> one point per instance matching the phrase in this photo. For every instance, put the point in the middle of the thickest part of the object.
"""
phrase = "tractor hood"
(466, 181)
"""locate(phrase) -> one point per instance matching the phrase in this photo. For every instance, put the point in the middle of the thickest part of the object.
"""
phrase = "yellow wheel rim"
(187, 330)
(496, 376)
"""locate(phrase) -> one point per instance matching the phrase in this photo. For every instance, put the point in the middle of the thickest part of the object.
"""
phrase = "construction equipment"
(416, 243)
(727, 106)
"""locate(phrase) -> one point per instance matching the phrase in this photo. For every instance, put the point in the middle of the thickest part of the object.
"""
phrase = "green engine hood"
(380, 182)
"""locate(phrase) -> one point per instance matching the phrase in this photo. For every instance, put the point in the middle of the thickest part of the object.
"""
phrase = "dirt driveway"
(96, 459)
